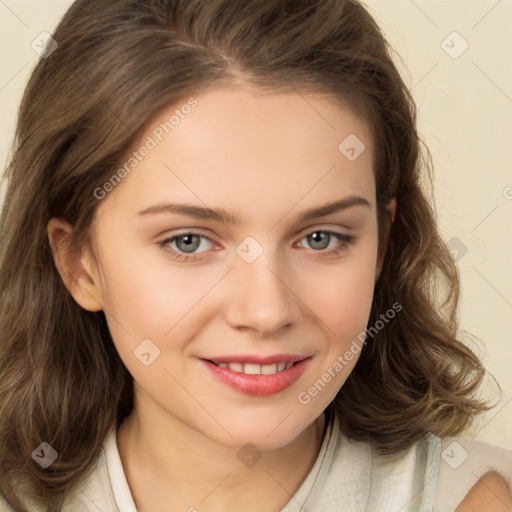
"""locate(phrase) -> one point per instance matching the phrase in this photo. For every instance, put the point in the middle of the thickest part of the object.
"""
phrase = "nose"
(261, 296)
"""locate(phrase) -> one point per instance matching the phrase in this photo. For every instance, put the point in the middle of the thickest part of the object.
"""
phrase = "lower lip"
(258, 385)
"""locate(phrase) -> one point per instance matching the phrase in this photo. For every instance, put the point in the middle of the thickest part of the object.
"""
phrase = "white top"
(346, 476)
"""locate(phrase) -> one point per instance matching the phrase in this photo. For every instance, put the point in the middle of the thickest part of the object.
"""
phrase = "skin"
(265, 158)
(490, 493)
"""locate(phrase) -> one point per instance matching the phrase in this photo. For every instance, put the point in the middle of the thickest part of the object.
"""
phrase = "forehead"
(239, 144)
(250, 118)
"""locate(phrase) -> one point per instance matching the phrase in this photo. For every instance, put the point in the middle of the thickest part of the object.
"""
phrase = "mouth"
(257, 379)
(256, 369)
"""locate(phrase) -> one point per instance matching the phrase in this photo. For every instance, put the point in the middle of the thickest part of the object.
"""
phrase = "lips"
(257, 384)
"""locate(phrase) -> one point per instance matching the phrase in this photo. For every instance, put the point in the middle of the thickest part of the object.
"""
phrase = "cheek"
(148, 296)
(343, 305)
(343, 309)
(156, 309)
(344, 295)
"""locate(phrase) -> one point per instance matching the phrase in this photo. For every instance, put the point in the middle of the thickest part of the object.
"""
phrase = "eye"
(320, 240)
(185, 245)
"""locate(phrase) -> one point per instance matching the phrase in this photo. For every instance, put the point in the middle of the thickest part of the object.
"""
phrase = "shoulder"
(472, 473)
(490, 493)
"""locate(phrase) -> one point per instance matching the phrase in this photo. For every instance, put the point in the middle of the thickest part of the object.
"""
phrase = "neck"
(188, 470)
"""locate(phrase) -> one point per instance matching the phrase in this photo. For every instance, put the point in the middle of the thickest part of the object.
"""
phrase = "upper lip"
(255, 359)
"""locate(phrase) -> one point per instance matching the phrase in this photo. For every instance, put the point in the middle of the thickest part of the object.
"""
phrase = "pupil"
(189, 245)
(319, 237)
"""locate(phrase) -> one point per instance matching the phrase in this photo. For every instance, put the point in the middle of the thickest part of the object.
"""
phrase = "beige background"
(465, 113)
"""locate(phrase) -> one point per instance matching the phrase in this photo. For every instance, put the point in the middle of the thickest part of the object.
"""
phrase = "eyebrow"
(220, 215)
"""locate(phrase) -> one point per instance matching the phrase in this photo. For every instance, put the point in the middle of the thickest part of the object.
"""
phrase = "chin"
(266, 434)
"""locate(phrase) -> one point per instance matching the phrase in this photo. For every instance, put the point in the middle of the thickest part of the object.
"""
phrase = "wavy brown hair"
(117, 64)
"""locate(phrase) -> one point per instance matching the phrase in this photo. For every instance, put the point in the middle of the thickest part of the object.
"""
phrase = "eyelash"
(180, 256)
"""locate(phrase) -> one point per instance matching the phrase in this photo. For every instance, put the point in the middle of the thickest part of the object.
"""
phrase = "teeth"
(253, 369)
(236, 367)
(256, 369)
(268, 369)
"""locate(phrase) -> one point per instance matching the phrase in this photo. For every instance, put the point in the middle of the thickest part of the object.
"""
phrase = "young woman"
(222, 286)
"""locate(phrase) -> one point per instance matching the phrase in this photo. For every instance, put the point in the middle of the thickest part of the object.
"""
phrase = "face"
(268, 281)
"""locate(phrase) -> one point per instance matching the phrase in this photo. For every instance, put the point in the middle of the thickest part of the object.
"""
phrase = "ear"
(76, 269)
(391, 211)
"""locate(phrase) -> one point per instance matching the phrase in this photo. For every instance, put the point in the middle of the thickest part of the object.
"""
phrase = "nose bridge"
(261, 298)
